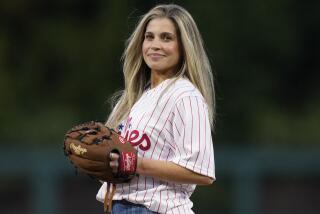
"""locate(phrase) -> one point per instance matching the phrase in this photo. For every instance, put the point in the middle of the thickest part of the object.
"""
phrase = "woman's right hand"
(114, 162)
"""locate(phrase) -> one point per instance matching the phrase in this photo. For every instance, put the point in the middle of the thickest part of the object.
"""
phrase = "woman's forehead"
(161, 25)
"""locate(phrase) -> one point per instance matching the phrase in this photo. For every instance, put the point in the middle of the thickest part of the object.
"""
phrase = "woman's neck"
(157, 78)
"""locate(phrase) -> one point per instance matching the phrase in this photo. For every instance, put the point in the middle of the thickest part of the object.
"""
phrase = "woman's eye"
(148, 37)
(167, 38)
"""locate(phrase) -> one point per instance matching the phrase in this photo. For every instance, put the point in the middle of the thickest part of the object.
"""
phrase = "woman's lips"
(156, 56)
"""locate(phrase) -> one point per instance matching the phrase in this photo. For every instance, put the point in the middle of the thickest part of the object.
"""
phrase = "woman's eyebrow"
(164, 32)
(168, 34)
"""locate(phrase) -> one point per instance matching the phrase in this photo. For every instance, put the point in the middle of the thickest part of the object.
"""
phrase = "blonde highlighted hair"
(195, 64)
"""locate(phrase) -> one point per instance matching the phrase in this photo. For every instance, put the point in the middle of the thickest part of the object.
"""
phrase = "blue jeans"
(125, 207)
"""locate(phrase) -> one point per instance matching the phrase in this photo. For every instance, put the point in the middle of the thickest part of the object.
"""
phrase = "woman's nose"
(155, 45)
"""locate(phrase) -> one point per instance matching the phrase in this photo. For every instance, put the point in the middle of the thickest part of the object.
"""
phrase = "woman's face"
(160, 47)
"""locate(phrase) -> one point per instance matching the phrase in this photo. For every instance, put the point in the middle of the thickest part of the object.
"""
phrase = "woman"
(166, 111)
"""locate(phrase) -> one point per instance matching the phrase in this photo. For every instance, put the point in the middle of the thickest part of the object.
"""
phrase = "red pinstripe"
(191, 129)
(141, 119)
(205, 139)
(184, 128)
(169, 142)
(198, 134)
(180, 115)
(171, 118)
(167, 199)
(169, 132)
(180, 197)
(159, 203)
(209, 161)
(177, 128)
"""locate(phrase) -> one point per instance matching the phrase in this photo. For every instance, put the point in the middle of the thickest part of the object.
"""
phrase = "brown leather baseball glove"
(88, 146)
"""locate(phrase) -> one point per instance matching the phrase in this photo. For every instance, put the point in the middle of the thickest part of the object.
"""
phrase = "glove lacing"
(111, 189)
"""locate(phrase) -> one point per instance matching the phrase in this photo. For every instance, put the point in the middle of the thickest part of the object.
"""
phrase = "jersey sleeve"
(192, 136)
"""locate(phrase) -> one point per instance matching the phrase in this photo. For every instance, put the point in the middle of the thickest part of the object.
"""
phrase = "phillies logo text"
(135, 138)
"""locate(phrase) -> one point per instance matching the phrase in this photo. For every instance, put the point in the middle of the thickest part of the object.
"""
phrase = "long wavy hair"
(195, 64)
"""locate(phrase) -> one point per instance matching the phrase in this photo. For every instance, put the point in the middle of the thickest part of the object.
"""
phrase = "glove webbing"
(109, 196)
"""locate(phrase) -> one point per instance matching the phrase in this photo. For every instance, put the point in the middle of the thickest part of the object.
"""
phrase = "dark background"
(60, 62)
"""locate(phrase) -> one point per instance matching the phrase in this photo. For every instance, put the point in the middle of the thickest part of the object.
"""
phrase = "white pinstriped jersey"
(171, 126)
